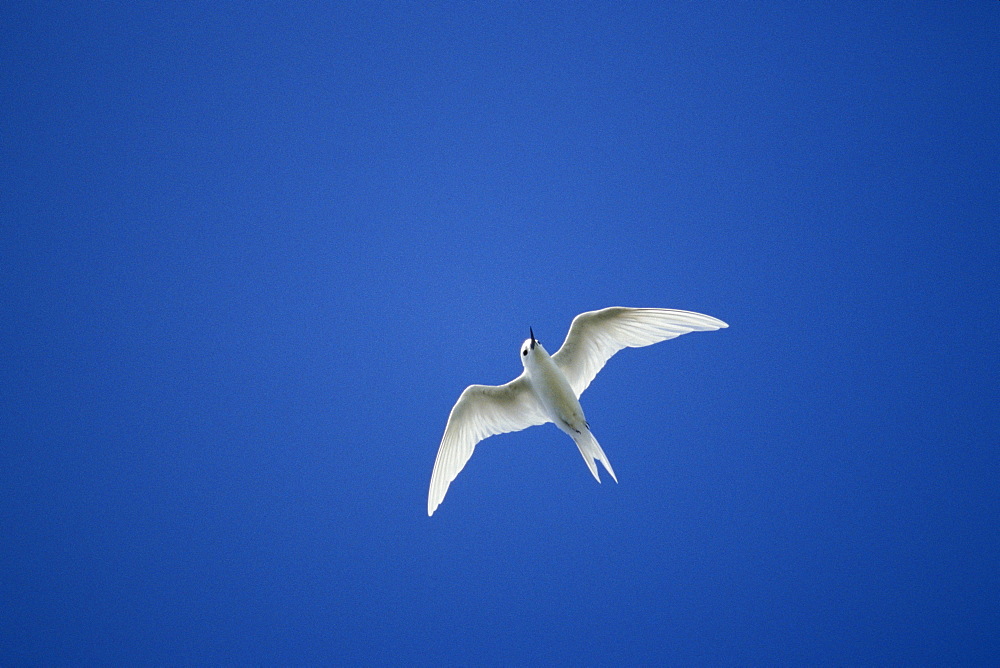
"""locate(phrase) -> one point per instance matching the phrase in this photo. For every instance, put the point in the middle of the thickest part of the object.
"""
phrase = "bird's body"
(561, 405)
(550, 387)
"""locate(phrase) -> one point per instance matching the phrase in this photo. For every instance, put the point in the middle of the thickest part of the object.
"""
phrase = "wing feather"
(481, 411)
(595, 336)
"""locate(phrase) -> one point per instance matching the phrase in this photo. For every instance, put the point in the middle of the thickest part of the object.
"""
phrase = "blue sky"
(252, 255)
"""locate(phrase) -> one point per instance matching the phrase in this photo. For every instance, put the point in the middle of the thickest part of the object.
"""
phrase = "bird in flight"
(549, 389)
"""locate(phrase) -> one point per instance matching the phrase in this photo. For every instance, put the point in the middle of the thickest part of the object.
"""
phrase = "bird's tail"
(591, 450)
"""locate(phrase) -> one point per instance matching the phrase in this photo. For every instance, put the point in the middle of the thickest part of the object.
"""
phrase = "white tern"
(549, 388)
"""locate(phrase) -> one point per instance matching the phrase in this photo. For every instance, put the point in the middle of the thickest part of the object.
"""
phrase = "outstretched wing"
(595, 336)
(481, 411)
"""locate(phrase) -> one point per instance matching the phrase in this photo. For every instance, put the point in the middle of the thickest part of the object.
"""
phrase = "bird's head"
(531, 349)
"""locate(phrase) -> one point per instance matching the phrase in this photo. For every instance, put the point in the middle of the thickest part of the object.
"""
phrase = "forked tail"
(591, 450)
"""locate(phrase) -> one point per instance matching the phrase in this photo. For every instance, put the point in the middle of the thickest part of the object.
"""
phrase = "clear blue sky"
(252, 254)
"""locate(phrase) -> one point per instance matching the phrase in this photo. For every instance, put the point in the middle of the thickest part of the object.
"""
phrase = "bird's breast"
(557, 396)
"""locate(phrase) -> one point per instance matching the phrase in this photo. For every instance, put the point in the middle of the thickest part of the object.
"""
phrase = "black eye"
(525, 353)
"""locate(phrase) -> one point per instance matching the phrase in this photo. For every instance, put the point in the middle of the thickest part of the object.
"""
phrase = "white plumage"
(549, 388)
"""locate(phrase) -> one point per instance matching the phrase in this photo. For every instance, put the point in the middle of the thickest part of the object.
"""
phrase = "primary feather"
(481, 411)
(595, 336)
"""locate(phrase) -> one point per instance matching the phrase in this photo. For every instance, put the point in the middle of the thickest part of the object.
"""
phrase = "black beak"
(532, 338)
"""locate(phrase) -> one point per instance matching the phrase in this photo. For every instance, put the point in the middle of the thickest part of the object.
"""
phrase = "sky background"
(252, 254)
